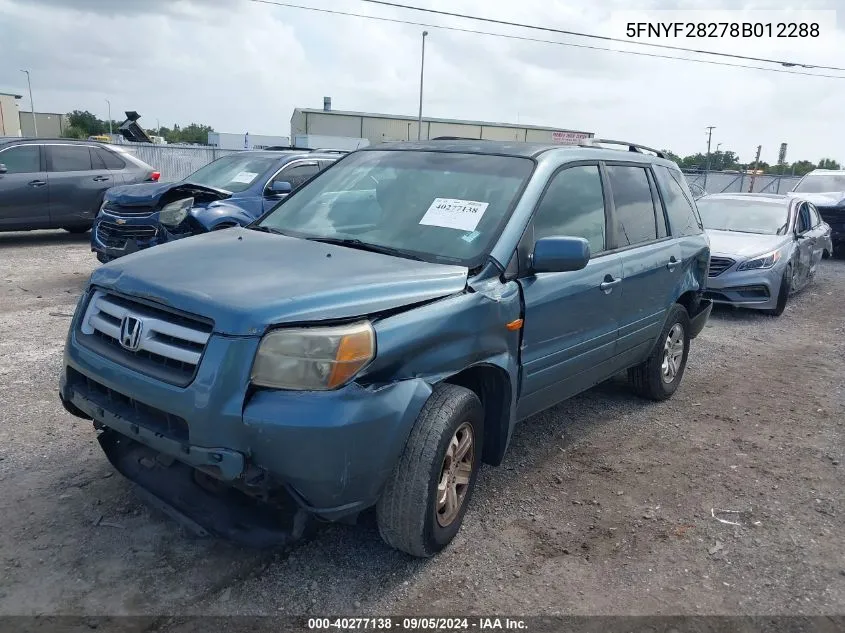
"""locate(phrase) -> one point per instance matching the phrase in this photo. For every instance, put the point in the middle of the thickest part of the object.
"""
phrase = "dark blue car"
(231, 191)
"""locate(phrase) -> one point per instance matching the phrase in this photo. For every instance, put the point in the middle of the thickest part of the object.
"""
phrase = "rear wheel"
(783, 293)
(423, 504)
(659, 376)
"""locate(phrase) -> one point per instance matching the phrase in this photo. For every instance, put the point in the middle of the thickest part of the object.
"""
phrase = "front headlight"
(313, 359)
(758, 263)
(172, 214)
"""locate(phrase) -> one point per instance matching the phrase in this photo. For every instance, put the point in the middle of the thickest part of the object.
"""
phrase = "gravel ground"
(604, 505)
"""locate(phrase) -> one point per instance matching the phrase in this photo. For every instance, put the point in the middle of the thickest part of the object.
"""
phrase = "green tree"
(671, 156)
(87, 122)
(802, 167)
(829, 163)
(74, 132)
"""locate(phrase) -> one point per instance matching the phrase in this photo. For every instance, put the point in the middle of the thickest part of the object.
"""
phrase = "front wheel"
(424, 501)
(783, 293)
(659, 376)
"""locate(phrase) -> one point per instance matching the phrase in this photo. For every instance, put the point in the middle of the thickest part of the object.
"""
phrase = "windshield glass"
(821, 183)
(232, 173)
(437, 206)
(743, 216)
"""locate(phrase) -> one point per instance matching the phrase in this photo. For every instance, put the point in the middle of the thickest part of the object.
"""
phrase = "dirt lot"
(604, 504)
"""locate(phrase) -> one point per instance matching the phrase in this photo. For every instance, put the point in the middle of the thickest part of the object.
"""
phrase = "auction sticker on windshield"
(449, 213)
(245, 177)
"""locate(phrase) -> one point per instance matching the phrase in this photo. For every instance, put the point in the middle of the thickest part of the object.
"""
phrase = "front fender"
(214, 215)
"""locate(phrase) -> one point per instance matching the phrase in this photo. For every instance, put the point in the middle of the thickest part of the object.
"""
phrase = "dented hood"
(149, 193)
(247, 281)
(826, 199)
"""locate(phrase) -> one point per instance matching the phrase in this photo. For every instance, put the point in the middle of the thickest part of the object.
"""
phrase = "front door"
(806, 245)
(570, 322)
(76, 186)
(296, 173)
(24, 194)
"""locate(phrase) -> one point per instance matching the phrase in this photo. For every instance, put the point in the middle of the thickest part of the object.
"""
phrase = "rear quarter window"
(683, 215)
(111, 160)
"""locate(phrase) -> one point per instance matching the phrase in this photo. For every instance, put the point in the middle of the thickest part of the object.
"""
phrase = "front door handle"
(673, 263)
(607, 286)
(36, 183)
(101, 178)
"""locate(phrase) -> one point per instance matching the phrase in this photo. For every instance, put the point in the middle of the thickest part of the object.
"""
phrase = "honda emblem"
(130, 333)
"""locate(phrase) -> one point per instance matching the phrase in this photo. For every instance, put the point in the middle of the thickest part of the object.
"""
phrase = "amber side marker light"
(514, 325)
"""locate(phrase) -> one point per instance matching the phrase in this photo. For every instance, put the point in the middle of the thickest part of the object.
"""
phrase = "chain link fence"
(732, 182)
(175, 162)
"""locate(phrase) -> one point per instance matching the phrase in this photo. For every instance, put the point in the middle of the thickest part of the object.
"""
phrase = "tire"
(77, 230)
(783, 293)
(408, 514)
(668, 359)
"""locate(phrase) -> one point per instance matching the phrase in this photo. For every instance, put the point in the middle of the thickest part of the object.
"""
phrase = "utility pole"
(422, 76)
(109, 102)
(754, 170)
(710, 129)
(31, 105)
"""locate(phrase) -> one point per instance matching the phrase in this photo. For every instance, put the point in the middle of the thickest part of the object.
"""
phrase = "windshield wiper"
(266, 229)
(365, 246)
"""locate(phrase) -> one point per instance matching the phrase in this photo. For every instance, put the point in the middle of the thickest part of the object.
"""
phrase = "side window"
(815, 220)
(23, 159)
(69, 158)
(679, 207)
(573, 206)
(96, 161)
(635, 213)
(803, 222)
(297, 174)
(111, 161)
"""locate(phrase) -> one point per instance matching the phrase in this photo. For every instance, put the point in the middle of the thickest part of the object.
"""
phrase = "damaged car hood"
(149, 194)
(827, 199)
(246, 281)
(736, 244)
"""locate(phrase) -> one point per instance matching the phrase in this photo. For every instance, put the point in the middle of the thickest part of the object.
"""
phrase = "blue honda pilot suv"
(373, 339)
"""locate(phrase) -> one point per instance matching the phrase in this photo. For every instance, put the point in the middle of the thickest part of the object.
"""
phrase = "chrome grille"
(128, 212)
(167, 345)
(116, 235)
(718, 265)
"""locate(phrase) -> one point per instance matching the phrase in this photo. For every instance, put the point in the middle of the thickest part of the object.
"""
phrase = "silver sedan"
(763, 248)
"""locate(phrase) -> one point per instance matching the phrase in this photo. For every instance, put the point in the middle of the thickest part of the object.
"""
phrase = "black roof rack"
(632, 147)
(456, 138)
(331, 151)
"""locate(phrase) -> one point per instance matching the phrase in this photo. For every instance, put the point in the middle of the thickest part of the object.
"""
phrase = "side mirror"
(3, 169)
(280, 188)
(560, 254)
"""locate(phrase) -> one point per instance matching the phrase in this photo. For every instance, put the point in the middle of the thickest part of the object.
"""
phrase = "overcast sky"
(243, 66)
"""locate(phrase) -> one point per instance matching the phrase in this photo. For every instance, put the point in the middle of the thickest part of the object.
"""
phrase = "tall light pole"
(710, 129)
(31, 105)
(109, 102)
(422, 76)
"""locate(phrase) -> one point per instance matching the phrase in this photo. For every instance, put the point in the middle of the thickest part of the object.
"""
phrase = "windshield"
(743, 216)
(232, 173)
(821, 183)
(437, 206)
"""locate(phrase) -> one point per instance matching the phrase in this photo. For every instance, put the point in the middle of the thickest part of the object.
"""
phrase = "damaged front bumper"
(115, 236)
(327, 453)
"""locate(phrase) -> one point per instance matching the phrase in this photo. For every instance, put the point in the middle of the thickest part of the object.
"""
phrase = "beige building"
(380, 128)
(10, 123)
(50, 124)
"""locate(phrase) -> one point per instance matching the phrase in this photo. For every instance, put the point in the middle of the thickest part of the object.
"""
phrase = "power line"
(593, 36)
(290, 5)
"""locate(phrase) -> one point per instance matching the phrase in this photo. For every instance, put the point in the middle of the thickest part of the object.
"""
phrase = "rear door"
(77, 182)
(24, 193)
(651, 258)
(570, 322)
(116, 166)
(806, 244)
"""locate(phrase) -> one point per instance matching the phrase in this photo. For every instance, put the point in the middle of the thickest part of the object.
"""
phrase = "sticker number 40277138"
(449, 213)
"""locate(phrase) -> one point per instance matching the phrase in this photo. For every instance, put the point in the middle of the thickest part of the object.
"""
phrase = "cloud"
(243, 66)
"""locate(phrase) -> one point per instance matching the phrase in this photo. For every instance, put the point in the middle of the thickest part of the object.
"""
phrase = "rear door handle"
(101, 178)
(673, 263)
(607, 286)
(36, 183)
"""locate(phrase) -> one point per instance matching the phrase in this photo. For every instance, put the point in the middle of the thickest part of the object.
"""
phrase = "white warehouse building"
(380, 128)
